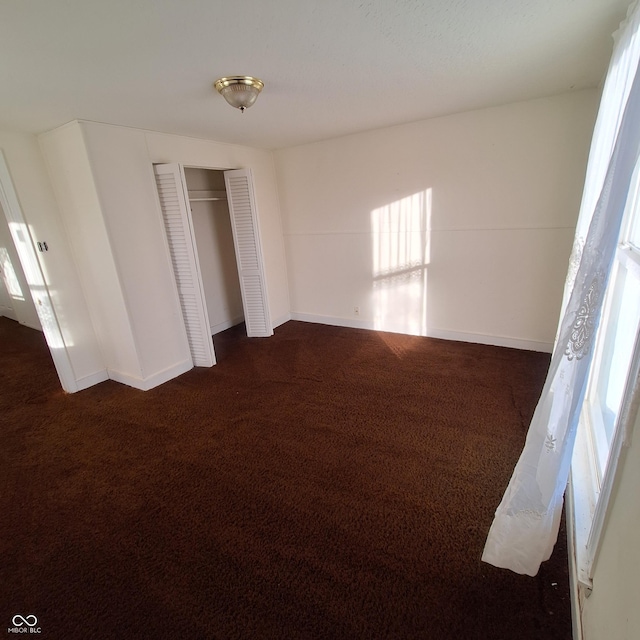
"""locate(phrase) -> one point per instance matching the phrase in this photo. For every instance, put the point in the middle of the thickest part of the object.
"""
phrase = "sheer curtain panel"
(525, 527)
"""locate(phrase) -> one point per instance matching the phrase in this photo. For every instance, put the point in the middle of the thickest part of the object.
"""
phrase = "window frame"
(594, 472)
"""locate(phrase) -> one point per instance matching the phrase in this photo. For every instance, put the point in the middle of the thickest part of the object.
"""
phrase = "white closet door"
(246, 237)
(172, 191)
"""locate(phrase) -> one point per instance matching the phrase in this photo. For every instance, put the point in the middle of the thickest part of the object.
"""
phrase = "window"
(616, 337)
(613, 370)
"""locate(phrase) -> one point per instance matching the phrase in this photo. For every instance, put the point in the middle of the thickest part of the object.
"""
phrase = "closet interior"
(214, 243)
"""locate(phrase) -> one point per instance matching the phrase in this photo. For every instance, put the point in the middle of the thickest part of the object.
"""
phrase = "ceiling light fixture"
(239, 91)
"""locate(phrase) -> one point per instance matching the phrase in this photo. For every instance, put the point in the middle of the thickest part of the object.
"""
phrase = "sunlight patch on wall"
(9, 275)
(401, 253)
(22, 242)
(33, 274)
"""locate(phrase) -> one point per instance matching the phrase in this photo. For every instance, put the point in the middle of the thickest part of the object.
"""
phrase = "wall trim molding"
(338, 322)
(125, 378)
(444, 334)
(225, 324)
(282, 319)
(144, 384)
(496, 341)
(93, 378)
(33, 326)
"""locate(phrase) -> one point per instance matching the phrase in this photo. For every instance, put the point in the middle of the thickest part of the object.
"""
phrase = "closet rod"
(199, 196)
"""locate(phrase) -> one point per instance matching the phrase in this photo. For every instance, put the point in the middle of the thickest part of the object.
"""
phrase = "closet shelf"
(200, 196)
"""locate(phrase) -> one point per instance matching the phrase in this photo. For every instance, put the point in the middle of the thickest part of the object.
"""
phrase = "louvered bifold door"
(246, 237)
(184, 257)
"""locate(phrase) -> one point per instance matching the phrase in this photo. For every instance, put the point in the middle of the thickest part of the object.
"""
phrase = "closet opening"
(213, 235)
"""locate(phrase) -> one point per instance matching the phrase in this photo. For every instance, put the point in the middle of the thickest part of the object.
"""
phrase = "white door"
(37, 286)
(174, 203)
(246, 238)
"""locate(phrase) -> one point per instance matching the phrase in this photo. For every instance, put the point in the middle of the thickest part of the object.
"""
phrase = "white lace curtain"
(526, 523)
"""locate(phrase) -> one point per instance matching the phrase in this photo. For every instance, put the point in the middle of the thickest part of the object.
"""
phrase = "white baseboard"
(227, 324)
(37, 327)
(144, 384)
(6, 312)
(496, 341)
(94, 378)
(336, 322)
(125, 378)
(281, 320)
(477, 338)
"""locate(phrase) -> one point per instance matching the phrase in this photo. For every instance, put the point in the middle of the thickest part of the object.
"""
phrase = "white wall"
(104, 181)
(125, 185)
(40, 211)
(612, 611)
(65, 152)
(458, 227)
(105, 185)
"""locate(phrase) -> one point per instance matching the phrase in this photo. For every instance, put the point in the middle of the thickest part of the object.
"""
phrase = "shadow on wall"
(401, 235)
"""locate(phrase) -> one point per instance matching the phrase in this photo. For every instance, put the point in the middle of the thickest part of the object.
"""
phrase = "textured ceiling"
(330, 67)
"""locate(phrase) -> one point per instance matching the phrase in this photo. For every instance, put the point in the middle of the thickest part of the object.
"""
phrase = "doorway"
(208, 287)
(209, 207)
(15, 298)
(20, 234)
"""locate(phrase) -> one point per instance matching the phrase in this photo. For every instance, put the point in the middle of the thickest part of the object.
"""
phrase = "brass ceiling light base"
(239, 91)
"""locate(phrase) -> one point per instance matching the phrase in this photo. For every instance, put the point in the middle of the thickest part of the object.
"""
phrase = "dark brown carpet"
(323, 483)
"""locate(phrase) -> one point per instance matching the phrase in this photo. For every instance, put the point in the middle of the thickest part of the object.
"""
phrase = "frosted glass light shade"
(239, 91)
